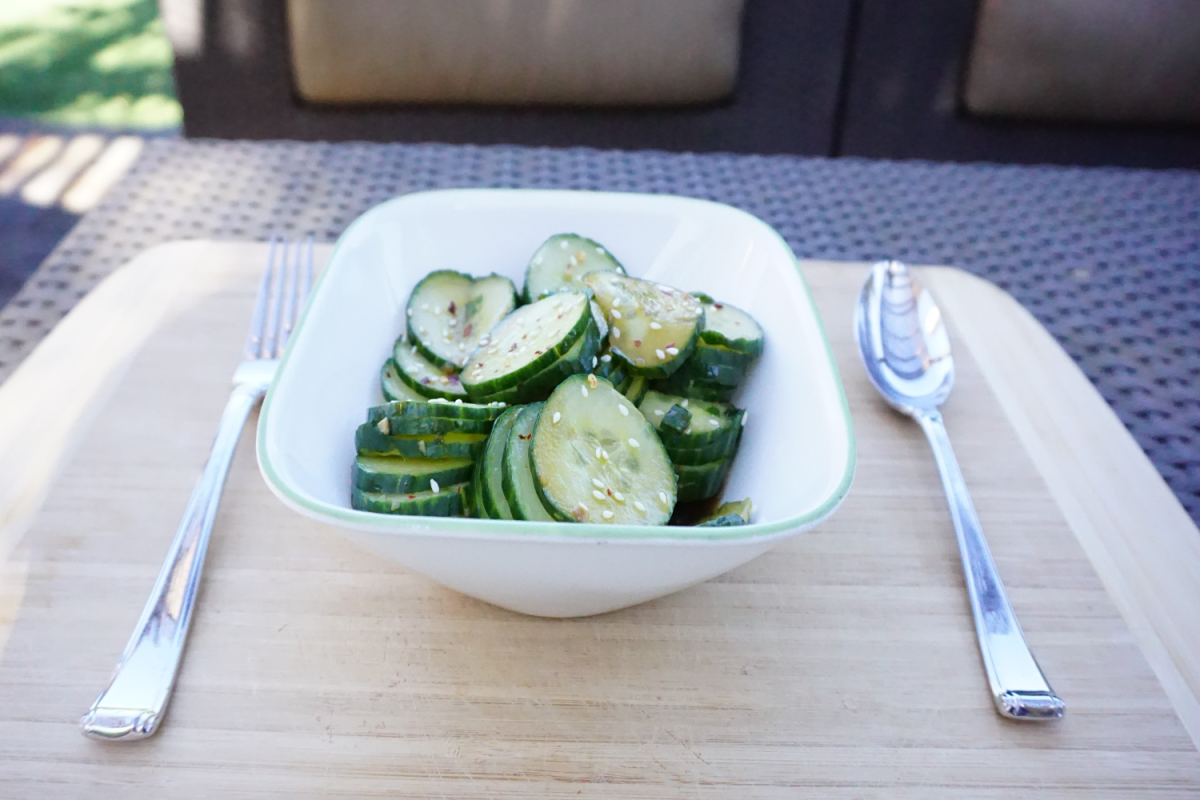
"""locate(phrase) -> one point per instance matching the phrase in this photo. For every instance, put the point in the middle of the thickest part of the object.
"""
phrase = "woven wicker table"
(1107, 259)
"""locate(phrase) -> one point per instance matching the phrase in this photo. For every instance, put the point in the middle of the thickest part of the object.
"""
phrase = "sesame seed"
(537, 260)
(584, 390)
(598, 452)
(624, 410)
(713, 422)
(444, 380)
(421, 446)
(616, 333)
(410, 312)
(659, 412)
(421, 331)
(616, 303)
(615, 314)
(606, 358)
(661, 355)
(638, 505)
(452, 322)
(562, 245)
(654, 326)
(424, 306)
(607, 514)
(434, 485)
(634, 443)
(384, 426)
(674, 351)
(686, 401)
(557, 416)
(572, 261)
(662, 496)
(596, 493)
(597, 483)
(604, 454)
(600, 250)
(461, 347)
(595, 362)
(745, 415)
(641, 362)
(620, 498)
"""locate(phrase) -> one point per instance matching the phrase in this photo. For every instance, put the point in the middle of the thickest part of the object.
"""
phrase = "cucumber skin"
(636, 389)
(701, 481)
(491, 496)
(425, 352)
(702, 454)
(449, 502)
(524, 508)
(393, 387)
(369, 441)
(475, 507)
(424, 408)
(694, 390)
(494, 389)
(676, 419)
(369, 481)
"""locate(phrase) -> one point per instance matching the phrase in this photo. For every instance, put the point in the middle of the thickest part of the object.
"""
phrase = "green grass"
(87, 63)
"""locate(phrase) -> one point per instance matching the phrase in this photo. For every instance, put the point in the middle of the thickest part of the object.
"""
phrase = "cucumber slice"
(425, 407)
(715, 355)
(562, 261)
(711, 424)
(448, 501)
(422, 376)
(370, 441)
(713, 451)
(402, 475)
(450, 313)
(393, 388)
(528, 341)
(729, 326)
(491, 468)
(519, 488)
(728, 515)
(699, 481)
(418, 426)
(695, 390)
(578, 359)
(653, 327)
(596, 458)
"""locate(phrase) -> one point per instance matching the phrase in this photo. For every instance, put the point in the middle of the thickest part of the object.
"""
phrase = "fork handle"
(1018, 686)
(133, 704)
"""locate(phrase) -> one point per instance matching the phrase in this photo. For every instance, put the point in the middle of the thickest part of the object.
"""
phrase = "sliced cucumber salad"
(603, 399)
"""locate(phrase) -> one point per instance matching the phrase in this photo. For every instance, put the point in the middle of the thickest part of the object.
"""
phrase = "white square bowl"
(797, 454)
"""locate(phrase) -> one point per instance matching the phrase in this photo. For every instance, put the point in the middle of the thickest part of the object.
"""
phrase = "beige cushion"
(575, 52)
(1092, 60)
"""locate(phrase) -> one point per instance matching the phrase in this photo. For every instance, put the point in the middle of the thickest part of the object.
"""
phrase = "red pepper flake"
(718, 305)
(637, 342)
(425, 381)
(537, 352)
(524, 435)
(412, 497)
(609, 492)
(513, 349)
(467, 330)
(453, 308)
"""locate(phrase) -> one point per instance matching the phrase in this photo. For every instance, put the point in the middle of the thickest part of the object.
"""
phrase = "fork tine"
(258, 321)
(278, 278)
(287, 316)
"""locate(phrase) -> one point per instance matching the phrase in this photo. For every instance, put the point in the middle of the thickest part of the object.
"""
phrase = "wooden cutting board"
(841, 664)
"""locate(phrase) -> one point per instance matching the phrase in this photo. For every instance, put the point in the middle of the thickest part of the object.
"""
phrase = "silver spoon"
(903, 343)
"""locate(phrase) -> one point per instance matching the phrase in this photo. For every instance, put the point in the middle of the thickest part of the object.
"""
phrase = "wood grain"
(841, 664)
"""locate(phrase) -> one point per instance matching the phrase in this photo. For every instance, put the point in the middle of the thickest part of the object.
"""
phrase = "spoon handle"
(1018, 685)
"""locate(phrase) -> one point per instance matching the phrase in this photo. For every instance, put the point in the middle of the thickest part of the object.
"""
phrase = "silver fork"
(133, 705)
